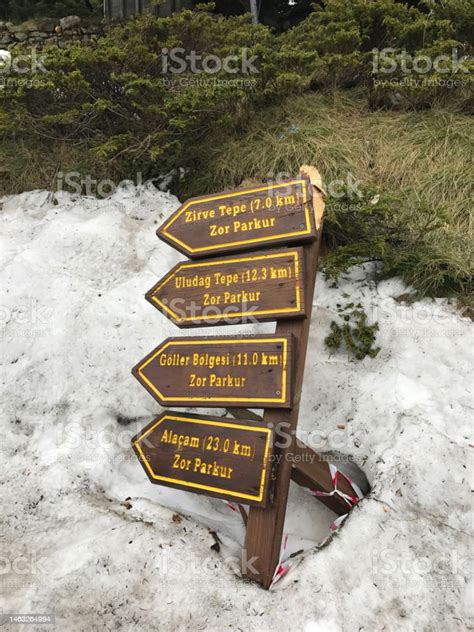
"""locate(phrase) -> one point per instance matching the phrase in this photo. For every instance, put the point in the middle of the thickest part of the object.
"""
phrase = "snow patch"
(105, 546)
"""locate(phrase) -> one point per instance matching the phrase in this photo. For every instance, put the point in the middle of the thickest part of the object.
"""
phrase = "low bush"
(121, 100)
(353, 333)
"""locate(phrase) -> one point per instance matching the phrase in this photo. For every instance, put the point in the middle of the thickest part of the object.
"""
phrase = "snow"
(84, 534)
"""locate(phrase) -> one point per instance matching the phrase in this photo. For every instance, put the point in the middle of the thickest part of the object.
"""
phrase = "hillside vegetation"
(398, 183)
(395, 154)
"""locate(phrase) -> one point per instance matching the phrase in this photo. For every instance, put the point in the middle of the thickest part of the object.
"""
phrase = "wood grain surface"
(245, 219)
(246, 288)
(207, 455)
(215, 371)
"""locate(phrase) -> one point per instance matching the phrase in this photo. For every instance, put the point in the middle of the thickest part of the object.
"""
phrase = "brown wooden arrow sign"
(214, 371)
(207, 455)
(243, 219)
(232, 290)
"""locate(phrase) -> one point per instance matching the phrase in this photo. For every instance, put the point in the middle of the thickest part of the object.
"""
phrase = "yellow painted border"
(209, 488)
(218, 341)
(174, 217)
(221, 262)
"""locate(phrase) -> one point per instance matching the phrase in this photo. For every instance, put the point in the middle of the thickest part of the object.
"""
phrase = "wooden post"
(311, 470)
(265, 526)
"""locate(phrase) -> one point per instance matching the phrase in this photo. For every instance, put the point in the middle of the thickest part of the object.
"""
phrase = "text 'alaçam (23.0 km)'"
(220, 371)
(279, 213)
(230, 290)
(207, 455)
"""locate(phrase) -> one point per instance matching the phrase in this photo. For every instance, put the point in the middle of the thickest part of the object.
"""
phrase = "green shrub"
(120, 101)
(353, 333)
(374, 42)
(117, 102)
(419, 243)
(113, 109)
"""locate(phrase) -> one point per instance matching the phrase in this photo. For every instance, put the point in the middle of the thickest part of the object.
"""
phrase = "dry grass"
(421, 159)
(428, 153)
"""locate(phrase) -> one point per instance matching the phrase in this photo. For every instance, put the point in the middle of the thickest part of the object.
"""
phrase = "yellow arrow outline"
(218, 262)
(187, 248)
(208, 422)
(219, 341)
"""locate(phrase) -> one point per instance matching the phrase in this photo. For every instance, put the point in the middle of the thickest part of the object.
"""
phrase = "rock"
(21, 37)
(14, 28)
(5, 61)
(6, 38)
(3, 26)
(70, 22)
(58, 29)
(45, 25)
(39, 34)
(51, 41)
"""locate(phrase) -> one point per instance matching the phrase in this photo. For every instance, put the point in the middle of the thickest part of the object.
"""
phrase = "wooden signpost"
(219, 457)
(207, 455)
(218, 371)
(242, 220)
(242, 288)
